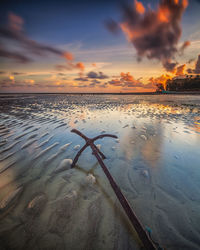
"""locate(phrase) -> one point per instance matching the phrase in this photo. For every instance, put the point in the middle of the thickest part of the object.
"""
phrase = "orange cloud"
(127, 77)
(115, 82)
(164, 14)
(139, 7)
(160, 80)
(70, 66)
(180, 70)
(184, 46)
(80, 66)
(127, 81)
(68, 56)
(185, 3)
(31, 81)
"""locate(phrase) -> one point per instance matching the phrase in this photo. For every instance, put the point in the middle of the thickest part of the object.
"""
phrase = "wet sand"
(46, 205)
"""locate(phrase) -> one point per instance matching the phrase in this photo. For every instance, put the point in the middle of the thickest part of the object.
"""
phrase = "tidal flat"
(155, 161)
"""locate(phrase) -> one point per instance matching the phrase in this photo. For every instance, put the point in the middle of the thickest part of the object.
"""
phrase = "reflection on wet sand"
(155, 162)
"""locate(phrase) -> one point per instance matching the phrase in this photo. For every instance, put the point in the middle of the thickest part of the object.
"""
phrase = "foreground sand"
(155, 162)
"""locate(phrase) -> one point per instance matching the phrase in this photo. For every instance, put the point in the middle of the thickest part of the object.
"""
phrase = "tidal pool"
(155, 161)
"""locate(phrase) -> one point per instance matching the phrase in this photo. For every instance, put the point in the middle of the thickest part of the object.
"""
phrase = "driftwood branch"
(144, 237)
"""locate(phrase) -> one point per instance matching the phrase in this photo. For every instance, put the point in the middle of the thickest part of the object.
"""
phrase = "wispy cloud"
(70, 66)
(14, 32)
(17, 56)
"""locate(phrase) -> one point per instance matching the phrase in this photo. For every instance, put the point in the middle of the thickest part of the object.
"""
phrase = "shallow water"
(155, 162)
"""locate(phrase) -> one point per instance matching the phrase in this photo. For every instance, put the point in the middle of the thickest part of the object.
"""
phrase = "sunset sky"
(97, 46)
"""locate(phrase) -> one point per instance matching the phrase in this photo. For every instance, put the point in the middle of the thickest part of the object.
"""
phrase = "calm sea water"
(155, 161)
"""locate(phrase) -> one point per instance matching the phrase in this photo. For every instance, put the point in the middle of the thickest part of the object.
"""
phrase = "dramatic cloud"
(95, 75)
(196, 70)
(154, 33)
(14, 32)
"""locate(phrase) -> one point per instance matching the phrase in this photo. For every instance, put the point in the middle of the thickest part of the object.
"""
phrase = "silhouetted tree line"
(189, 83)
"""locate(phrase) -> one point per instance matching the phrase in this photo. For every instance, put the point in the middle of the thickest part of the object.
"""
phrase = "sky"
(97, 46)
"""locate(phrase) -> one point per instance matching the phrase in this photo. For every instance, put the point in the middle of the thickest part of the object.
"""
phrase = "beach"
(155, 161)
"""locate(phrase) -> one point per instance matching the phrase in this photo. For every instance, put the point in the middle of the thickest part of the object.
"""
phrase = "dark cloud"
(14, 32)
(153, 33)
(94, 75)
(169, 66)
(115, 82)
(82, 79)
(2, 72)
(90, 83)
(95, 82)
(196, 70)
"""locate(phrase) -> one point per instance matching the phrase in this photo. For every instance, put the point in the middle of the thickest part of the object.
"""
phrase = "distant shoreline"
(89, 93)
